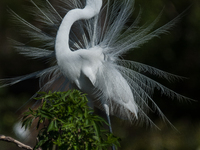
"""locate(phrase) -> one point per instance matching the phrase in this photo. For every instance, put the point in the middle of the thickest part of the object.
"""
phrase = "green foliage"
(72, 124)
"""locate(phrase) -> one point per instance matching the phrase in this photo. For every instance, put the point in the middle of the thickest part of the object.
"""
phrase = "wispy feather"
(119, 83)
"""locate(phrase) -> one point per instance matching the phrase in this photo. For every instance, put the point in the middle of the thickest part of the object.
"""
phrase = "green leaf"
(69, 109)
(97, 133)
(51, 126)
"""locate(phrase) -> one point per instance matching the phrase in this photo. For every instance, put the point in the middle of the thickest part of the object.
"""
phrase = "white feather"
(89, 43)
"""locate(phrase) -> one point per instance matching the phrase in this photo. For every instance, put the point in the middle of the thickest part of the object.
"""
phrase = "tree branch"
(19, 144)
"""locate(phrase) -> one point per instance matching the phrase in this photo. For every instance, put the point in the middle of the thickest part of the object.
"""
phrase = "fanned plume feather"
(107, 30)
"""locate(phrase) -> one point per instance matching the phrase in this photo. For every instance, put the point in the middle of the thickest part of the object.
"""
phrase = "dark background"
(177, 52)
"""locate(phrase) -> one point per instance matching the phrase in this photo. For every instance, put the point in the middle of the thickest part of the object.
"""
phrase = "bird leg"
(108, 117)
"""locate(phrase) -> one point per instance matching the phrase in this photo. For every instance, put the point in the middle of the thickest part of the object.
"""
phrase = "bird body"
(79, 62)
(83, 66)
(89, 42)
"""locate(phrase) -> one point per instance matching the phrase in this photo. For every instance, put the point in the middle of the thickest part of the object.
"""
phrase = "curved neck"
(62, 38)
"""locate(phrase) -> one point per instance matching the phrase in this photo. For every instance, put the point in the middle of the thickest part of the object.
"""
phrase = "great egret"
(89, 42)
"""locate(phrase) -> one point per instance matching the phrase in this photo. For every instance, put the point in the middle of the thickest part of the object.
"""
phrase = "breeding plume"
(86, 41)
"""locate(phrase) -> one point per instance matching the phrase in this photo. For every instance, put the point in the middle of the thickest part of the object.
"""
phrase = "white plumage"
(89, 42)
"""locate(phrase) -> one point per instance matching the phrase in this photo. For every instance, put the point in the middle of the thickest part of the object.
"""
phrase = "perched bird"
(86, 41)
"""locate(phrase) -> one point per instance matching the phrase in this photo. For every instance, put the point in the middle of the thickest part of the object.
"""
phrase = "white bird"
(89, 42)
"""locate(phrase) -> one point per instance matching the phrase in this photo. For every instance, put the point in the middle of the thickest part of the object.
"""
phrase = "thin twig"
(12, 140)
